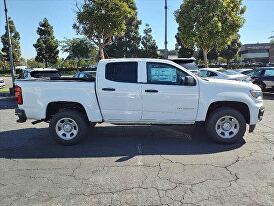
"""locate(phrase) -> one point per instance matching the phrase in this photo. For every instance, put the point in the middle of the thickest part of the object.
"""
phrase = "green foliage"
(102, 20)
(209, 24)
(231, 50)
(15, 41)
(183, 52)
(149, 47)
(46, 45)
(79, 49)
(127, 45)
(32, 63)
(212, 55)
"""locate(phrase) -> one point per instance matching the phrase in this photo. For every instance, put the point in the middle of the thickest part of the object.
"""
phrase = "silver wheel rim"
(227, 127)
(66, 128)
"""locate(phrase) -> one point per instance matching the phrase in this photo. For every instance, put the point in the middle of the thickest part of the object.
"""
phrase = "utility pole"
(166, 51)
(10, 46)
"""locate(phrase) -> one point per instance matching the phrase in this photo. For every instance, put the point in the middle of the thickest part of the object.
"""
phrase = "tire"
(226, 125)
(68, 127)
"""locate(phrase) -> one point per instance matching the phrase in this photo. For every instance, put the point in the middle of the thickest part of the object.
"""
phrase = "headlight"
(256, 94)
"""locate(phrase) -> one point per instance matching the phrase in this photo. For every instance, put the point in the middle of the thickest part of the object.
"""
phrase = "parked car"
(140, 91)
(244, 71)
(219, 73)
(188, 63)
(38, 73)
(85, 74)
(2, 83)
(263, 77)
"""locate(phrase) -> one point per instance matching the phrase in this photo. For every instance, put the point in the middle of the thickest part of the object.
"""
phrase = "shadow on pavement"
(7, 103)
(268, 95)
(123, 142)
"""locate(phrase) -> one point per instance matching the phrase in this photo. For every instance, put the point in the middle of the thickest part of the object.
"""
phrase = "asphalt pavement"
(134, 165)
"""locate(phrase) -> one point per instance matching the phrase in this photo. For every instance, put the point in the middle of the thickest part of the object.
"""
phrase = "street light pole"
(10, 45)
(166, 51)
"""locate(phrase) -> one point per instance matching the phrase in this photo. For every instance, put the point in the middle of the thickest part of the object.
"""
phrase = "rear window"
(45, 74)
(122, 72)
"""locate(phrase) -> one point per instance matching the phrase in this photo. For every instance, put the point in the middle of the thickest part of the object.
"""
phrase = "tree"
(15, 41)
(271, 39)
(46, 45)
(79, 48)
(149, 47)
(32, 63)
(102, 20)
(231, 50)
(212, 55)
(209, 24)
(127, 45)
(183, 52)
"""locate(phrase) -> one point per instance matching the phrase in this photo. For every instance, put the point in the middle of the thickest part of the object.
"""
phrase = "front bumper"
(260, 117)
(21, 115)
(261, 113)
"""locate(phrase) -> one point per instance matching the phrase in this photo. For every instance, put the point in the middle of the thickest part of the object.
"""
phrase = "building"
(258, 53)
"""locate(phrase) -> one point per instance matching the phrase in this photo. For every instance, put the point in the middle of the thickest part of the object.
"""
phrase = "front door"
(165, 97)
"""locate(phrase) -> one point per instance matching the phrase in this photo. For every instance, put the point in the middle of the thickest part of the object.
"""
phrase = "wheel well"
(239, 106)
(55, 107)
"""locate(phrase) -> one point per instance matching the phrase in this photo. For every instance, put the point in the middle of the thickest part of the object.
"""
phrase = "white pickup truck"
(140, 91)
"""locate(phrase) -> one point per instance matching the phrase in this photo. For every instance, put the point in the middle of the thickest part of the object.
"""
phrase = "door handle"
(151, 91)
(108, 89)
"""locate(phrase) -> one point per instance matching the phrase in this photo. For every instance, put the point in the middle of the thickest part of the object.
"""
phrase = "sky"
(259, 25)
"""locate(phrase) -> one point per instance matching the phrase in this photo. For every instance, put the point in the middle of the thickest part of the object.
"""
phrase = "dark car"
(263, 77)
(244, 71)
(85, 75)
(188, 63)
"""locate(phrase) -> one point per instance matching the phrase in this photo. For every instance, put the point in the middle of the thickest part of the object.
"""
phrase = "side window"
(158, 73)
(203, 73)
(81, 75)
(212, 74)
(122, 72)
(269, 73)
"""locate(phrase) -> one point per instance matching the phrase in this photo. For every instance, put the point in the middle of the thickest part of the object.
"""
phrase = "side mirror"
(189, 81)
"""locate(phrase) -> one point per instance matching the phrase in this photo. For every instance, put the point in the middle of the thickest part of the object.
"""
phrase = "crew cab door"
(118, 92)
(165, 97)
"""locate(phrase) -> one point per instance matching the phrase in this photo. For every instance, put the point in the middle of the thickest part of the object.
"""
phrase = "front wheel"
(226, 125)
(68, 127)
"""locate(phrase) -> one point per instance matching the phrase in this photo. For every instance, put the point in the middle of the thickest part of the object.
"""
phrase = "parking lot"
(134, 165)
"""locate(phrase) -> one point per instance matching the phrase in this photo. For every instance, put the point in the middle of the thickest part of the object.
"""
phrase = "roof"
(136, 59)
(211, 69)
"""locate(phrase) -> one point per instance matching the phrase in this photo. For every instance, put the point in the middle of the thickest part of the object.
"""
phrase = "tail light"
(18, 95)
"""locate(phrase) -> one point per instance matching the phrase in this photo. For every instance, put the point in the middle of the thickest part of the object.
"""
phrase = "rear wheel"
(226, 125)
(68, 127)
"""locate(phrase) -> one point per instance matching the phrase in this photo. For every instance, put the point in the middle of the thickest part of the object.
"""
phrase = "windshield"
(228, 71)
(189, 66)
(43, 74)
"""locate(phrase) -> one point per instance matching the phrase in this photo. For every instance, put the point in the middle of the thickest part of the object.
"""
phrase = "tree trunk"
(46, 64)
(205, 52)
(101, 53)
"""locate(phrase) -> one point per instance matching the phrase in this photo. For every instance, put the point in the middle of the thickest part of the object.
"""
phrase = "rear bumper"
(21, 115)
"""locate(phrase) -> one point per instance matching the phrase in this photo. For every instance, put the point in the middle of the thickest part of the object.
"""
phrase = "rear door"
(119, 93)
(165, 98)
